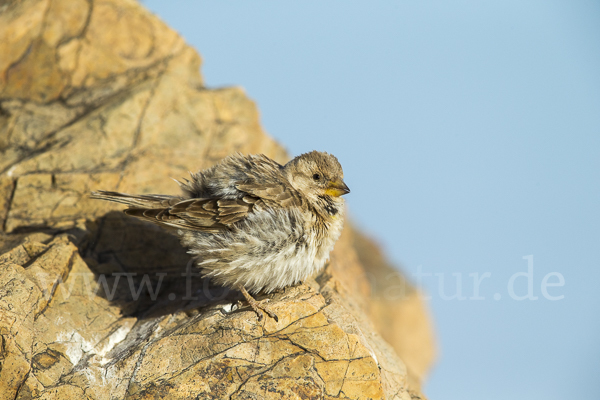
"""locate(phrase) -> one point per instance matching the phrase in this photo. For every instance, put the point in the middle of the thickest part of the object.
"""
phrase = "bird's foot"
(258, 306)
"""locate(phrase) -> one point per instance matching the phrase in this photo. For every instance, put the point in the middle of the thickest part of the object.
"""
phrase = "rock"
(397, 310)
(100, 94)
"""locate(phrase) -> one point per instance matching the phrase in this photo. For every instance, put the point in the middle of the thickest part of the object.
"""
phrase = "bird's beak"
(337, 188)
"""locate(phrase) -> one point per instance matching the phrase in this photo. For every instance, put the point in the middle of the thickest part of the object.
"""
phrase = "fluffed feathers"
(250, 221)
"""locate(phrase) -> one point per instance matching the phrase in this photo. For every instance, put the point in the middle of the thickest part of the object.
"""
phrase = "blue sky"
(469, 133)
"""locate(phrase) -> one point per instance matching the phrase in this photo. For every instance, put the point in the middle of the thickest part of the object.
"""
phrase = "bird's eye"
(316, 177)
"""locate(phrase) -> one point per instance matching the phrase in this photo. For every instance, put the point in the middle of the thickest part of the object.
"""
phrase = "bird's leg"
(256, 305)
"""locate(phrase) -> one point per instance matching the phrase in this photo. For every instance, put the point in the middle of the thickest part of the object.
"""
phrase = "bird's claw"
(271, 314)
(258, 306)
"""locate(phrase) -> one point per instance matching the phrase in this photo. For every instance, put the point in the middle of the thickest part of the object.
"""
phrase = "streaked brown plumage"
(251, 223)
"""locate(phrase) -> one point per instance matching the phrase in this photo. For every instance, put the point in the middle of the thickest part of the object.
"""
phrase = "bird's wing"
(208, 215)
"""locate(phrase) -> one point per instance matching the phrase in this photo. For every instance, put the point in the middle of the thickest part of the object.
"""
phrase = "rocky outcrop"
(93, 304)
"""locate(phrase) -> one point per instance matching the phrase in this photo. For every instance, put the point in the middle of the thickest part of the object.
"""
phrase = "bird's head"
(318, 176)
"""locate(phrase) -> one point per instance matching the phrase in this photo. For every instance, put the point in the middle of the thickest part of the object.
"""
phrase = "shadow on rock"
(144, 270)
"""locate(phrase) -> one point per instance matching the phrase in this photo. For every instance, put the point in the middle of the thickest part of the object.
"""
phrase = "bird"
(251, 223)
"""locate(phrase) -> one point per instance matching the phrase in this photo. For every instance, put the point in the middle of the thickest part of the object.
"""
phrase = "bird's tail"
(148, 201)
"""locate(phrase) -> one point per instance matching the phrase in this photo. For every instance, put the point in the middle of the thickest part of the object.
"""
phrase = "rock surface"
(93, 304)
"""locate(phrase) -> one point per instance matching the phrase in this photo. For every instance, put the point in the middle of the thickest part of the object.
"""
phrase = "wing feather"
(281, 194)
(264, 188)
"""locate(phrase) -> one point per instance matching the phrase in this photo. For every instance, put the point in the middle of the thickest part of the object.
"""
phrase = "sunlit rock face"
(94, 304)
